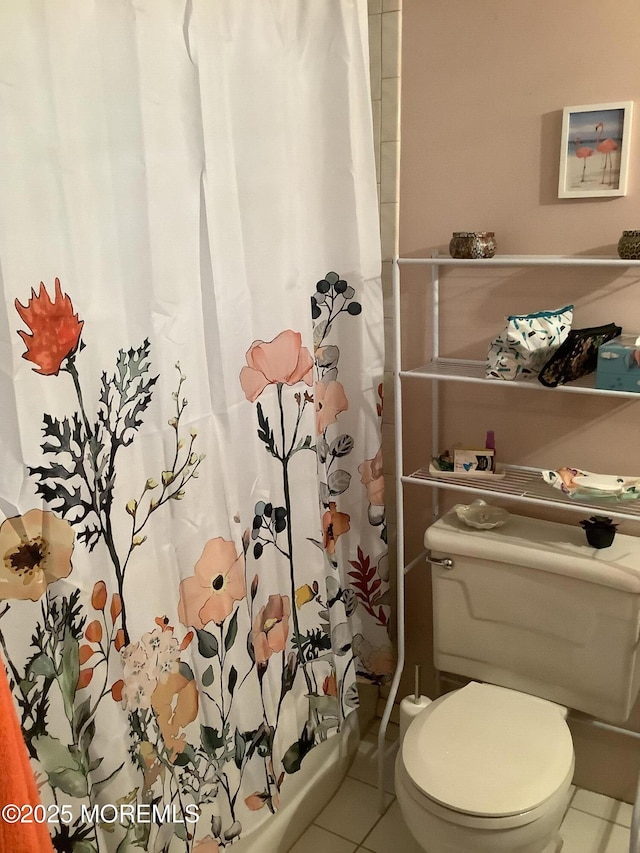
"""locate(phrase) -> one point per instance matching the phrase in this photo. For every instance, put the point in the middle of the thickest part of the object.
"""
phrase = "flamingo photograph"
(606, 147)
(582, 153)
(594, 150)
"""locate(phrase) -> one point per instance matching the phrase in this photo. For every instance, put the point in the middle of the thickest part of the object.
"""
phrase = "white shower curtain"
(193, 537)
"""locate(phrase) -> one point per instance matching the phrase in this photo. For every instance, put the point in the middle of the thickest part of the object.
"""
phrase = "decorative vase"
(600, 537)
(629, 245)
(472, 244)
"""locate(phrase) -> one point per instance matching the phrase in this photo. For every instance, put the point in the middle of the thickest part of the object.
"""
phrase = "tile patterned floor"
(351, 824)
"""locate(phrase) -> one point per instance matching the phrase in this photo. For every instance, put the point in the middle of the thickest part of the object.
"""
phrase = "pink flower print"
(377, 660)
(208, 844)
(168, 664)
(163, 653)
(330, 400)
(218, 580)
(134, 660)
(159, 642)
(271, 628)
(282, 360)
(372, 479)
(137, 692)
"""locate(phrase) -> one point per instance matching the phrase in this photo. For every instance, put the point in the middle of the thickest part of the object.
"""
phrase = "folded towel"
(17, 782)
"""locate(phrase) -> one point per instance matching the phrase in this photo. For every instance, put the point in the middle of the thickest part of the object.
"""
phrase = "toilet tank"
(531, 606)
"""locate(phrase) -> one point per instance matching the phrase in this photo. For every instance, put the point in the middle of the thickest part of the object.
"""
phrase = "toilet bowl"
(485, 769)
(529, 607)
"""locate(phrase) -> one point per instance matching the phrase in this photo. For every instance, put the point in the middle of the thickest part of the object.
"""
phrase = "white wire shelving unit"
(461, 370)
(526, 486)
(520, 484)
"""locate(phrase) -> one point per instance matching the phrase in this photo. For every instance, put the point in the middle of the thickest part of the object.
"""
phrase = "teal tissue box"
(619, 365)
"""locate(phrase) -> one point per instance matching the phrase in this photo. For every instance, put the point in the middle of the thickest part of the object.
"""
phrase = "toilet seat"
(407, 792)
(488, 751)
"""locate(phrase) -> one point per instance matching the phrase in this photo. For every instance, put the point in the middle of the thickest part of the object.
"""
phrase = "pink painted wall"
(483, 88)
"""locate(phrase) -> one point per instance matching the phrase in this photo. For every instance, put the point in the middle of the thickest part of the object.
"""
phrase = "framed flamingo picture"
(594, 152)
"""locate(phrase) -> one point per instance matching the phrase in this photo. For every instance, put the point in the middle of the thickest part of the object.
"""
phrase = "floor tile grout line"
(337, 834)
(571, 799)
(370, 784)
(360, 848)
(331, 832)
(583, 810)
(379, 818)
(599, 817)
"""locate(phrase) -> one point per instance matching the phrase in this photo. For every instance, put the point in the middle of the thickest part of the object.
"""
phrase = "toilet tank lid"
(546, 545)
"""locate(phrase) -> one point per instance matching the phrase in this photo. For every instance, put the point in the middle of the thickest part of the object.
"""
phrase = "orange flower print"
(55, 329)
(93, 632)
(330, 400)
(35, 549)
(334, 524)
(270, 628)
(282, 360)
(117, 690)
(218, 580)
(99, 596)
(84, 678)
(175, 703)
(85, 653)
(330, 685)
(116, 607)
(256, 801)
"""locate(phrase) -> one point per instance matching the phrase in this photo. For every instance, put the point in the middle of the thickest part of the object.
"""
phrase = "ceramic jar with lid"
(472, 244)
(629, 245)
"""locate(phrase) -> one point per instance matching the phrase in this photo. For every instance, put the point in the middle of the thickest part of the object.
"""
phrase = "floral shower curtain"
(193, 535)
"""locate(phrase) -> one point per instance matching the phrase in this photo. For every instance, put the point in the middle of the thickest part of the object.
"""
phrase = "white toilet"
(541, 622)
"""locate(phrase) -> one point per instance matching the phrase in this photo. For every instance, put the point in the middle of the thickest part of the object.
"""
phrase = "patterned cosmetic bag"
(578, 355)
(527, 343)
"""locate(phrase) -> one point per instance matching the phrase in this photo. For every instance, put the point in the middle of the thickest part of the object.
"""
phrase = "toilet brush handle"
(416, 685)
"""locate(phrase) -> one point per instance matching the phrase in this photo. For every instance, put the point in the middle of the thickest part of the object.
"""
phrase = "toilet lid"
(489, 751)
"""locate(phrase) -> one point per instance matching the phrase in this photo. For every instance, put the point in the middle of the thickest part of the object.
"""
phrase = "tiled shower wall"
(385, 20)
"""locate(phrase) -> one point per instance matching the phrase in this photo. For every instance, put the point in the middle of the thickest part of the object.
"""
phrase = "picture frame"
(594, 150)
